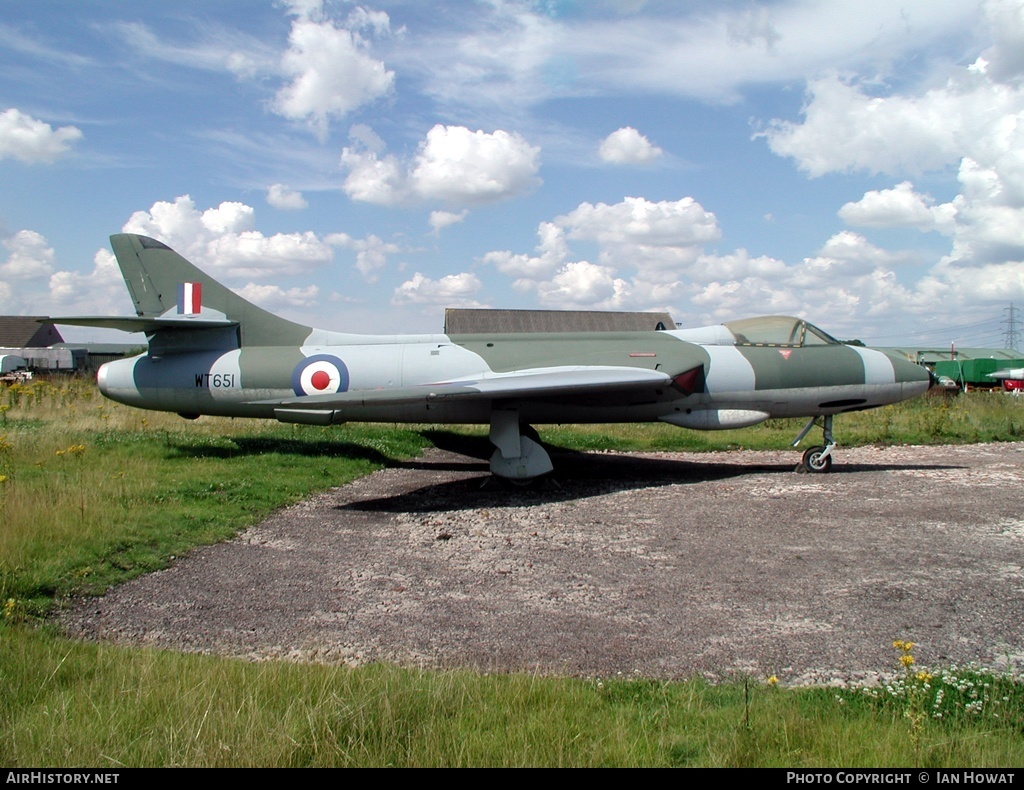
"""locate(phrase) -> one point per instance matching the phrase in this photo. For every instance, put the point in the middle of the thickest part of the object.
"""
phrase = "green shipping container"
(974, 371)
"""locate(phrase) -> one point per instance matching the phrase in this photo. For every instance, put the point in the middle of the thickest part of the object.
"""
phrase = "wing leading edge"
(527, 384)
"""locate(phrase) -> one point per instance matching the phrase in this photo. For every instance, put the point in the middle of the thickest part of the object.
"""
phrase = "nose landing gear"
(817, 459)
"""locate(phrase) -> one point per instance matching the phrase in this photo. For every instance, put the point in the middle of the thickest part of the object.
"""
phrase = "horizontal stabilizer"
(134, 323)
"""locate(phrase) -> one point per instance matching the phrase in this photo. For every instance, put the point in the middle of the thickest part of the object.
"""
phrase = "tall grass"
(93, 493)
(64, 703)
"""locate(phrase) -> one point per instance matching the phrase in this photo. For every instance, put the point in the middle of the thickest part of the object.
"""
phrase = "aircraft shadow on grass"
(579, 475)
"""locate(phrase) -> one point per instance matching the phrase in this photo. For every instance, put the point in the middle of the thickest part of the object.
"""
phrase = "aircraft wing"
(135, 323)
(545, 382)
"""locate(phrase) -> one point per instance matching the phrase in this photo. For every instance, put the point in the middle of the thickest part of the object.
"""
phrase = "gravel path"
(662, 565)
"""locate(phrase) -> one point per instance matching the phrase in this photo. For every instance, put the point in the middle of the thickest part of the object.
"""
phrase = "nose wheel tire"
(815, 460)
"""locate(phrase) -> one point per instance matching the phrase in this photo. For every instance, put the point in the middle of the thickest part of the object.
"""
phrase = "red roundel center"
(320, 380)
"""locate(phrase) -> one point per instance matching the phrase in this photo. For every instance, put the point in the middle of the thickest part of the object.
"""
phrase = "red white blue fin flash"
(190, 298)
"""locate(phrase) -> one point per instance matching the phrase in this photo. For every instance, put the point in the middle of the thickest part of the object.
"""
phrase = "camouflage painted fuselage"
(212, 352)
(734, 384)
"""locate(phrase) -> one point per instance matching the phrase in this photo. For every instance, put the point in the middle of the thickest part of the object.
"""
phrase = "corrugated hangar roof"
(25, 331)
(467, 321)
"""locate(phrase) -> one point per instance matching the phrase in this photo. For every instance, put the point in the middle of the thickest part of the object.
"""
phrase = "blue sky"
(360, 167)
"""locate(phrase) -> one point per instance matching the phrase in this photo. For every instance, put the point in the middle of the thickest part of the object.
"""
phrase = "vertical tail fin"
(162, 282)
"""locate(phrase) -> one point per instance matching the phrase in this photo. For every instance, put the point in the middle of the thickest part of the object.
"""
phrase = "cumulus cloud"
(222, 239)
(847, 129)
(97, 292)
(439, 220)
(638, 221)
(581, 284)
(974, 123)
(657, 239)
(845, 254)
(30, 257)
(25, 272)
(32, 141)
(627, 146)
(372, 178)
(273, 297)
(899, 207)
(655, 255)
(1004, 60)
(281, 197)
(452, 165)
(655, 242)
(332, 72)
(457, 165)
(851, 125)
(371, 253)
(994, 283)
(552, 251)
(989, 219)
(454, 290)
(848, 279)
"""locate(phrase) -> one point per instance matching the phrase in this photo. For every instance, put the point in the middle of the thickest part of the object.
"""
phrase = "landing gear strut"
(518, 457)
(817, 459)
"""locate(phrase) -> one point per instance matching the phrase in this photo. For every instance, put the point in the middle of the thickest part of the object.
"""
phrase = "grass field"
(94, 493)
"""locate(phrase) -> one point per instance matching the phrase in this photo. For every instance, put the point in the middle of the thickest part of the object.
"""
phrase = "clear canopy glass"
(778, 330)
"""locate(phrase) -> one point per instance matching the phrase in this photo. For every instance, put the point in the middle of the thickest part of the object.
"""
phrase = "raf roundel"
(320, 374)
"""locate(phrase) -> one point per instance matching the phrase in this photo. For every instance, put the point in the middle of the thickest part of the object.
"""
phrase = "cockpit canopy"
(780, 331)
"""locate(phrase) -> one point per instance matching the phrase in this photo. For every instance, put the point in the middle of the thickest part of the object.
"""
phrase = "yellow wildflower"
(907, 660)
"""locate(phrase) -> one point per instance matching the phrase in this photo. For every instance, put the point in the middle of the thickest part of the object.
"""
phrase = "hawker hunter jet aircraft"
(212, 352)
